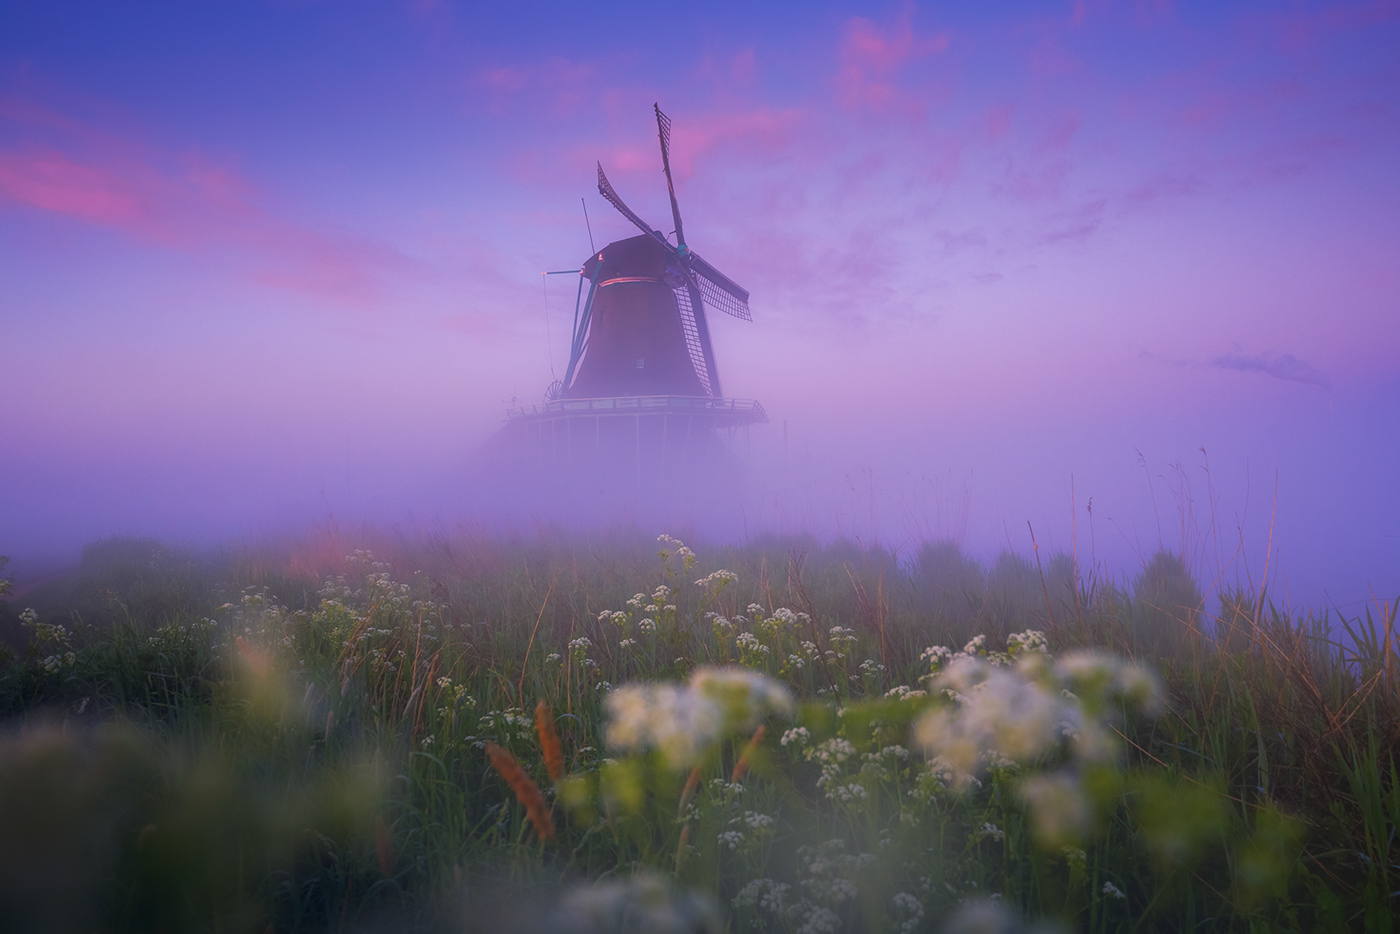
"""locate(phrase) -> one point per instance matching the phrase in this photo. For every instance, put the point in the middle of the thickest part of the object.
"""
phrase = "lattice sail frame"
(692, 337)
(716, 289)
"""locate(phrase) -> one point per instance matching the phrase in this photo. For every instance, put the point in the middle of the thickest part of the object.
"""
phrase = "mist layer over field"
(1120, 277)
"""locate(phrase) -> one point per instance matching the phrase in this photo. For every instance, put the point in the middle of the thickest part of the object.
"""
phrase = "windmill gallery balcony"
(677, 426)
(724, 413)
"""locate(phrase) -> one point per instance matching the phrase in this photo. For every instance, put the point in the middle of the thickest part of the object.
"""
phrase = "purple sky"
(265, 263)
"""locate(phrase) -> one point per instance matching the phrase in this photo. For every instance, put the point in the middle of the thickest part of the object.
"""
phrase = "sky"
(1118, 275)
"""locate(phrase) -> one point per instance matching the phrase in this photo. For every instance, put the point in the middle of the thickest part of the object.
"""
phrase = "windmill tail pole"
(580, 330)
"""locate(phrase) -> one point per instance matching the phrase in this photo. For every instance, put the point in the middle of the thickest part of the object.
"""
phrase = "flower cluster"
(1010, 712)
(717, 580)
(684, 721)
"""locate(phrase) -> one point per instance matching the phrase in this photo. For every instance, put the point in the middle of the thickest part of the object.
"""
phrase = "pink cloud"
(563, 84)
(1049, 58)
(1058, 135)
(49, 180)
(1298, 30)
(1162, 188)
(762, 131)
(177, 200)
(1152, 12)
(759, 132)
(998, 121)
(428, 9)
(1214, 108)
(742, 67)
(1145, 13)
(943, 159)
(1037, 181)
(729, 70)
(1292, 157)
(1078, 223)
(871, 59)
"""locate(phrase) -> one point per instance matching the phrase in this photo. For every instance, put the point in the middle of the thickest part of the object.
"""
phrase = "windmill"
(641, 362)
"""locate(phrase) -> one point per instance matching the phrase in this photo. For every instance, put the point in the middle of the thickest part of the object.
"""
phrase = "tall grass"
(297, 739)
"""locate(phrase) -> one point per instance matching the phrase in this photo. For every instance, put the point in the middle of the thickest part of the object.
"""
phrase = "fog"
(1258, 502)
(1095, 282)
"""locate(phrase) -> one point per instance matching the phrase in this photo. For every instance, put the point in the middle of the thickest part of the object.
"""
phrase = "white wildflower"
(820, 921)
(909, 911)
(1032, 640)
(936, 656)
(835, 750)
(798, 734)
(847, 793)
(758, 821)
(763, 895)
(731, 839)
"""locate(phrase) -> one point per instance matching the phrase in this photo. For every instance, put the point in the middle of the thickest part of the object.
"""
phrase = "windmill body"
(636, 342)
(642, 376)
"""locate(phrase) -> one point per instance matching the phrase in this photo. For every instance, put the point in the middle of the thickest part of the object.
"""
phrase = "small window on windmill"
(641, 362)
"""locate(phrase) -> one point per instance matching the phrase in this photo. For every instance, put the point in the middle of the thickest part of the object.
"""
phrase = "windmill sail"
(720, 291)
(605, 189)
(663, 130)
(717, 289)
(692, 338)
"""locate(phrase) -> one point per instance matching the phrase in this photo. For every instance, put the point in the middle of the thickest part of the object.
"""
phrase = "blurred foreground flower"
(1011, 715)
(1031, 707)
(646, 903)
(683, 721)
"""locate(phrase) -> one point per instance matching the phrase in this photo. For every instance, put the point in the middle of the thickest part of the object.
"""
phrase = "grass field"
(362, 733)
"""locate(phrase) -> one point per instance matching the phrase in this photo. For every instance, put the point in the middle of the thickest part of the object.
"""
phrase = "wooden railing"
(746, 410)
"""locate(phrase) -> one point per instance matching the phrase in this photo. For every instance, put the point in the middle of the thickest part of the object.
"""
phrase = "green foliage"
(245, 744)
(128, 579)
(1167, 605)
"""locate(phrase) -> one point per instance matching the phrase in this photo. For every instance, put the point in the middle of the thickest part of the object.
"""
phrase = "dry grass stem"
(550, 746)
(526, 791)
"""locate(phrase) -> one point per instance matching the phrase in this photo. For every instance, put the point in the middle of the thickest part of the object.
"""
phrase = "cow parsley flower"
(683, 721)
